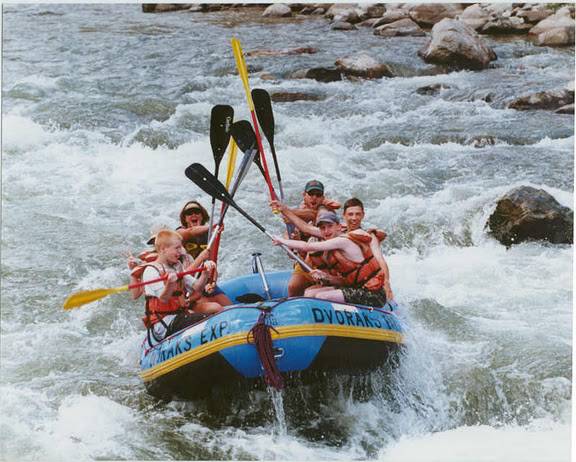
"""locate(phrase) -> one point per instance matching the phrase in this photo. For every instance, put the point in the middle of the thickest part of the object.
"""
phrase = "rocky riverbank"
(457, 38)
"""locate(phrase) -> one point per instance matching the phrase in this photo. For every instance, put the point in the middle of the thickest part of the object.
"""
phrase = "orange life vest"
(366, 274)
(156, 309)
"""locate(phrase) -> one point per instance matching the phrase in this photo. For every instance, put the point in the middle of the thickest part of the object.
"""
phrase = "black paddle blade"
(208, 183)
(244, 135)
(263, 107)
(220, 123)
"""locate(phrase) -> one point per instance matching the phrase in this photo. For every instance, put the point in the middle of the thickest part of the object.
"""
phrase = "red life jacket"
(156, 309)
(366, 274)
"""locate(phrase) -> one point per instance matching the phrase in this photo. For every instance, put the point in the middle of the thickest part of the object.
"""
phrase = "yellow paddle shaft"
(242, 70)
(231, 162)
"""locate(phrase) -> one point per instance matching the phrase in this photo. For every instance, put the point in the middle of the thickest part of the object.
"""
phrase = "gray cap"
(327, 216)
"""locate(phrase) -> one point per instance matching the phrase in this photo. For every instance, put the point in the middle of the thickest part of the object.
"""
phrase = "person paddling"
(168, 302)
(313, 200)
(353, 214)
(194, 228)
(194, 231)
(352, 274)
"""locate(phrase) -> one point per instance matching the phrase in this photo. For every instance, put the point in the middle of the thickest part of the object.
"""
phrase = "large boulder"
(290, 97)
(363, 65)
(343, 12)
(428, 14)
(392, 16)
(455, 44)
(548, 100)
(164, 7)
(278, 10)
(568, 109)
(402, 28)
(323, 74)
(556, 37)
(511, 25)
(535, 14)
(475, 16)
(343, 25)
(527, 213)
(555, 30)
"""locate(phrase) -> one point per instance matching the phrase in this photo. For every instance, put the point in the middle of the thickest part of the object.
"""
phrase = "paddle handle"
(163, 278)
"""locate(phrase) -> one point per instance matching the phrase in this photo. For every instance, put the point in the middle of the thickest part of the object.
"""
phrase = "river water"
(104, 107)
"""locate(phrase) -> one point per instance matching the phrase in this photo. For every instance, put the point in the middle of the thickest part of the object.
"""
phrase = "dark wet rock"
(278, 10)
(392, 16)
(343, 25)
(568, 109)
(299, 74)
(481, 141)
(527, 213)
(323, 74)
(267, 76)
(535, 14)
(456, 44)
(164, 7)
(556, 37)
(288, 97)
(307, 10)
(547, 100)
(375, 10)
(285, 52)
(475, 16)
(368, 22)
(401, 28)
(343, 12)
(428, 14)
(555, 30)
(432, 90)
(363, 65)
(511, 25)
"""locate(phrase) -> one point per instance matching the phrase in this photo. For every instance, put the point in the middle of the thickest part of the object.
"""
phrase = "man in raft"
(313, 200)
(353, 215)
(350, 273)
(168, 302)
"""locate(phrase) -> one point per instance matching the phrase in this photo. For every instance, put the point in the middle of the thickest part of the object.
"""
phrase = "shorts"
(183, 320)
(360, 296)
(217, 291)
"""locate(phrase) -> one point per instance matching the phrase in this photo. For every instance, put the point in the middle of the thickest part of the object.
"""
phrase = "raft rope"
(262, 339)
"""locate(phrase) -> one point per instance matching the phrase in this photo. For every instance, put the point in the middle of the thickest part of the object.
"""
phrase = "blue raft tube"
(306, 336)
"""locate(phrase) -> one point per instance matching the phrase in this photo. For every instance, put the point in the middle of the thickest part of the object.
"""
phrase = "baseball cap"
(314, 185)
(327, 216)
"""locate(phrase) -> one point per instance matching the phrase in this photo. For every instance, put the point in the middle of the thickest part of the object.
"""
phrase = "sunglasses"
(192, 212)
(315, 193)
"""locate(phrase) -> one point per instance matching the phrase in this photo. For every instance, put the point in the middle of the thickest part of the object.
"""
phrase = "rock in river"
(527, 213)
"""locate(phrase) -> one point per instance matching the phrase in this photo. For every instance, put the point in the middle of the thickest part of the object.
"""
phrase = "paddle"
(242, 132)
(88, 296)
(245, 138)
(220, 122)
(263, 106)
(198, 174)
(243, 71)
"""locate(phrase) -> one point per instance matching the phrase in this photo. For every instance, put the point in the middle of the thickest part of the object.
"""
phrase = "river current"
(103, 108)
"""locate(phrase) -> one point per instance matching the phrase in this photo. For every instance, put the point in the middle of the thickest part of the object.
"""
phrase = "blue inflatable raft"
(308, 336)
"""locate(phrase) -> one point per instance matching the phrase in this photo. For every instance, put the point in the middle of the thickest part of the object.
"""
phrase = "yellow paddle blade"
(231, 162)
(242, 70)
(88, 296)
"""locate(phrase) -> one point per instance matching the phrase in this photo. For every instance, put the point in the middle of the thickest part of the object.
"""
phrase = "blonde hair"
(164, 237)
